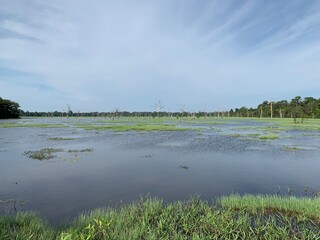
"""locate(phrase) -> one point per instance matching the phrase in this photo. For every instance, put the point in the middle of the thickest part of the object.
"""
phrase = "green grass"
(268, 137)
(134, 127)
(231, 217)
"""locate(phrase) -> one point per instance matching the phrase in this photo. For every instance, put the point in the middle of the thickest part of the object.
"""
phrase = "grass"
(231, 217)
(292, 148)
(61, 139)
(134, 127)
(268, 137)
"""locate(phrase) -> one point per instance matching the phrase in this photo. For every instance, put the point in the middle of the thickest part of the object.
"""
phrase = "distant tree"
(9, 109)
(69, 111)
(310, 106)
(158, 106)
(296, 109)
(115, 113)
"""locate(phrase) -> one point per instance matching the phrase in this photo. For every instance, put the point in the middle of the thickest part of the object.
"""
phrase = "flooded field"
(60, 167)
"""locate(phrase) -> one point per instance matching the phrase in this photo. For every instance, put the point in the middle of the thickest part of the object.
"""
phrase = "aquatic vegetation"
(268, 137)
(61, 138)
(43, 154)
(292, 148)
(236, 135)
(48, 153)
(134, 127)
(80, 150)
(231, 217)
(253, 135)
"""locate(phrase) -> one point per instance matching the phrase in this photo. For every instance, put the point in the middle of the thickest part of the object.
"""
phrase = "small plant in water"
(291, 148)
(267, 137)
(43, 154)
(80, 150)
(60, 139)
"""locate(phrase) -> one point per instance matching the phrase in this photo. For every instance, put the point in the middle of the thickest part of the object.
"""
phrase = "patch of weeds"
(291, 148)
(236, 135)
(80, 150)
(253, 135)
(135, 127)
(60, 139)
(268, 137)
(43, 154)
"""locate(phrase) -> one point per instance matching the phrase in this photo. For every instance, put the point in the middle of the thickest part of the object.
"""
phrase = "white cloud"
(130, 54)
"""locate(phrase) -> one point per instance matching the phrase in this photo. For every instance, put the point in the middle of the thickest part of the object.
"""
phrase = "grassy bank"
(232, 217)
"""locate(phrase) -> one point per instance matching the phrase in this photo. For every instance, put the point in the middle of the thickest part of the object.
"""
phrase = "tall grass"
(232, 217)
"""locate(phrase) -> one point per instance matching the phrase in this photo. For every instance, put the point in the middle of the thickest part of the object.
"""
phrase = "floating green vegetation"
(43, 154)
(48, 153)
(61, 139)
(292, 148)
(253, 135)
(244, 128)
(134, 127)
(80, 150)
(268, 137)
(235, 135)
(232, 217)
(247, 136)
(29, 125)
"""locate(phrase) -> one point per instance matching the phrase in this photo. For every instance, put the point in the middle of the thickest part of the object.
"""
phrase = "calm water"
(169, 165)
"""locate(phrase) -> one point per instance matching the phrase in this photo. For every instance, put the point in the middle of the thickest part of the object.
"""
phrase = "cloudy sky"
(212, 55)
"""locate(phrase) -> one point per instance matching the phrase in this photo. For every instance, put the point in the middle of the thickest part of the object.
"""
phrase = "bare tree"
(158, 106)
(183, 110)
(68, 110)
(115, 113)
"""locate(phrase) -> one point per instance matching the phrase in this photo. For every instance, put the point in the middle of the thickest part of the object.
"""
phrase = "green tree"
(9, 109)
(310, 106)
(296, 109)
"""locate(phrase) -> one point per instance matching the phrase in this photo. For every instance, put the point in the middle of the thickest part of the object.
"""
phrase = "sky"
(197, 54)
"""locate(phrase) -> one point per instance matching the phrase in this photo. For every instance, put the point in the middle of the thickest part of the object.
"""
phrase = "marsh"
(96, 162)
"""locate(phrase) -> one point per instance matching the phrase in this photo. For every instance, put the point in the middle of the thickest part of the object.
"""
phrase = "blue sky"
(204, 55)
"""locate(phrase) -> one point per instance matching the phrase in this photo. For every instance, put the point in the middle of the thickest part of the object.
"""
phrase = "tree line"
(297, 108)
